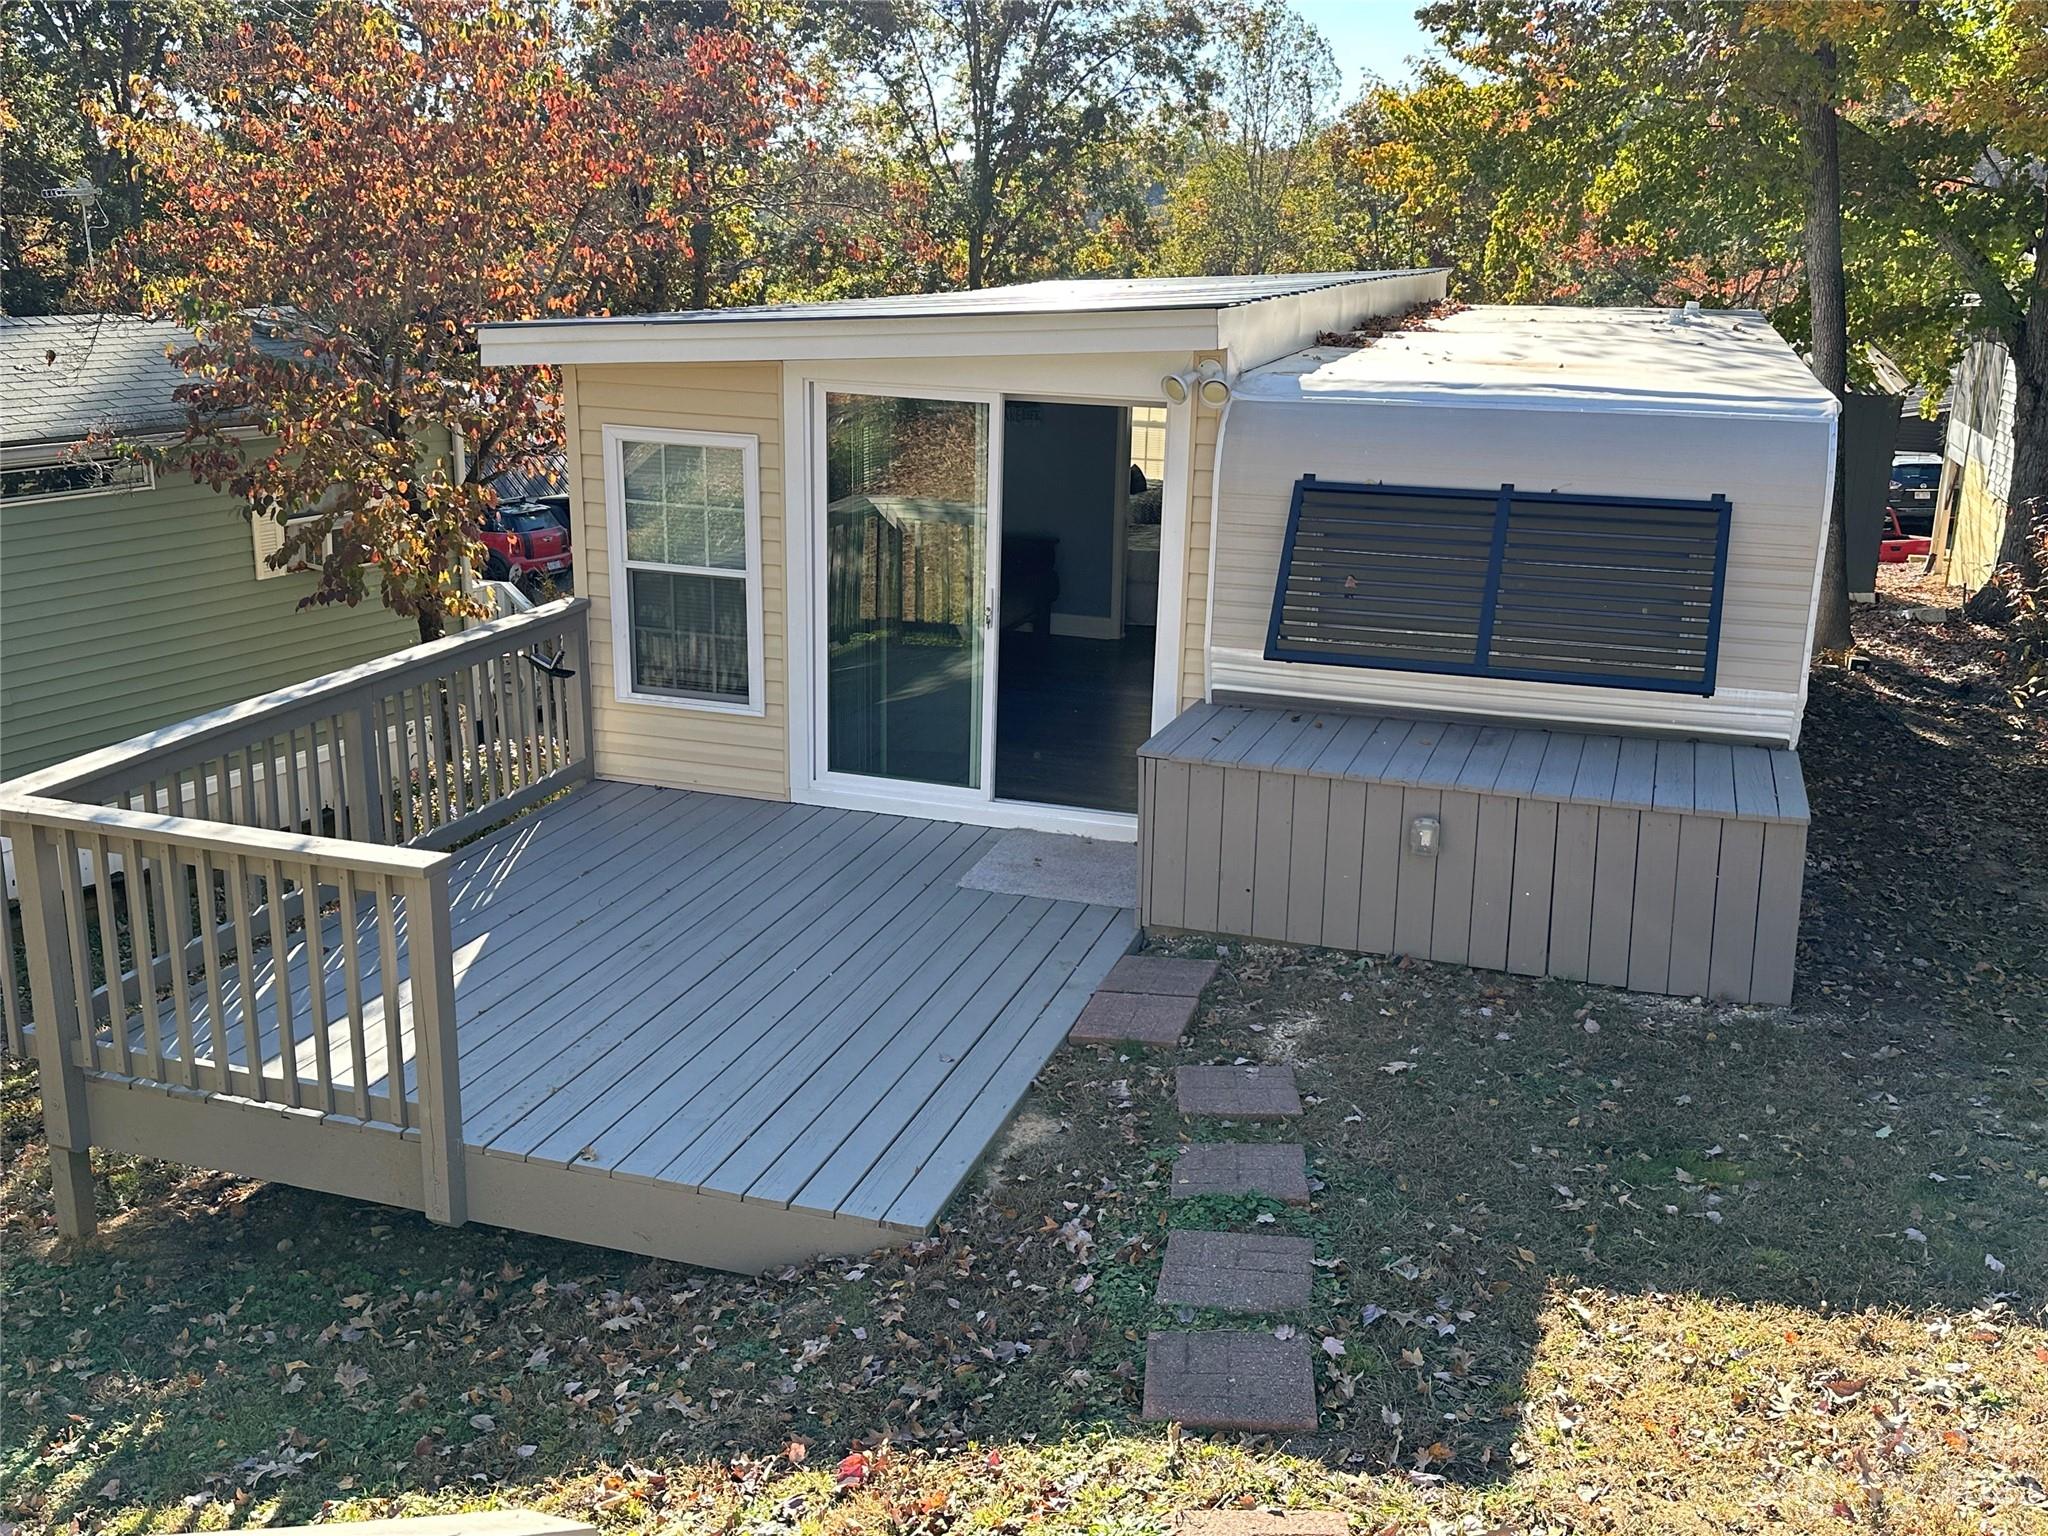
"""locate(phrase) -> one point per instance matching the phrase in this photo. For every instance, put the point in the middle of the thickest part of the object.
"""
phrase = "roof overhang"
(1265, 325)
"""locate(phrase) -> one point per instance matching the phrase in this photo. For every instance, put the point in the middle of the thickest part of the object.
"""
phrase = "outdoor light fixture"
(1207, 380)
(1215, 388)
(1423, 835)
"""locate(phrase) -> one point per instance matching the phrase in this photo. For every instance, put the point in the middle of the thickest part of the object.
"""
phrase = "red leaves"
(855, 1468)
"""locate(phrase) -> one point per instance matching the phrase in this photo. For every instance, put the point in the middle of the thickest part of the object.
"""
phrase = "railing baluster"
(432, 812)
(75, 878)
(352, 982)
(529, 735)
(239, 881)
(316, 983)
(394, 1043)
(487, 719)
(10, 999)
(471, 730)
(136, 893)
(110, 955)
(216, 992)
(281, 980)
(178, 933)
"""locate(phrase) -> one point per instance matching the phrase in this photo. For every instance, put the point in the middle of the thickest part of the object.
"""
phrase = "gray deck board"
(792, 1005)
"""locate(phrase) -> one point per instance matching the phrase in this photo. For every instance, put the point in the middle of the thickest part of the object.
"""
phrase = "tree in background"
(1006, 115)
(58, 57)
(1259, 196)
(350, 198)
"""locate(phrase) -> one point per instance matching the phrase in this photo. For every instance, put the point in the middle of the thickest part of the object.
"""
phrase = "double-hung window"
(684, 522)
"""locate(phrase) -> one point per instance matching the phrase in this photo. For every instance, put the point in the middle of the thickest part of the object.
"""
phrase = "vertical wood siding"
(651, 743)
(1661, 866)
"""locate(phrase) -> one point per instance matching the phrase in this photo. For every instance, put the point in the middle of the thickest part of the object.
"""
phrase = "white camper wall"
(1774, 471)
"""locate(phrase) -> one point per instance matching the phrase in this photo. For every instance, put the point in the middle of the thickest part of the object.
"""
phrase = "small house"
(927, 651)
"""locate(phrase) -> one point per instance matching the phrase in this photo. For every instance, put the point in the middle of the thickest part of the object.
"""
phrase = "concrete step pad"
(1262, 1522)
(1236, 1271)
(1159, 975)
(1238, 1093)
(1231, 1380)
(1277, 1170)
(1140, 1017)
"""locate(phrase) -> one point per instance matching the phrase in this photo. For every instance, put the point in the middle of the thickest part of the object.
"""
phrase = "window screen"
(1621, 592)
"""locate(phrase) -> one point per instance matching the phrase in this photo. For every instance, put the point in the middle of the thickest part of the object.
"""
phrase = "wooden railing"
(253, 904)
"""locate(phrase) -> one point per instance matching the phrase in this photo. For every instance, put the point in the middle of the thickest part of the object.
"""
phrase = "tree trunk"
(1829, 320)
(433, 625)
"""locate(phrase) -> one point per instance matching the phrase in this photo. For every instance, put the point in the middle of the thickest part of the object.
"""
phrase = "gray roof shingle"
(65, 377)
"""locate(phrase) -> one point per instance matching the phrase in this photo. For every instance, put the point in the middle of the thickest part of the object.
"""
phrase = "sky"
(1369, 37)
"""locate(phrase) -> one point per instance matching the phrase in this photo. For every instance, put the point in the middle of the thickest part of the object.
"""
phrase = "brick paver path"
(1236, 1271)
(1238, 1093)
(1139, 1016)
(1159, 975)
(1231, 1380)
(1276, 1170)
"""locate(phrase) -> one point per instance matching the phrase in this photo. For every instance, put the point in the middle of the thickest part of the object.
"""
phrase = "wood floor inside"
(792, 1007)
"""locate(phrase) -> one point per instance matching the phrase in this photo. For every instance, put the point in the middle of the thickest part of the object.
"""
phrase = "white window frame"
(621, 600)
(146, 482)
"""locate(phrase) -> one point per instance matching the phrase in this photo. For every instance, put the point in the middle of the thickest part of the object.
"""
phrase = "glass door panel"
(906, 599)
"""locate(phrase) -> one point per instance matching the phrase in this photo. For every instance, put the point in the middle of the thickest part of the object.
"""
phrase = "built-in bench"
(1658, 865)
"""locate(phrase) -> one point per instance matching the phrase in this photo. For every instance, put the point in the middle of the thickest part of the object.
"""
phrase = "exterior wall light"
(1424, 834)
(1215, 388)
(1175, 387)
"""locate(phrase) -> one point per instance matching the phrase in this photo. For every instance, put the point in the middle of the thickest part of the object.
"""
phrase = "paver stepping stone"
(1236, 1271)
(1238, 1093)
(1278, 1171)
(1159, 975)
(1262, 1522)
(1230, 1380)
(1138, 1016)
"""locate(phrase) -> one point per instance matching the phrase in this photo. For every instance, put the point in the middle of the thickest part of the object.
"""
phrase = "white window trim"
(615, 439)
(146, 483)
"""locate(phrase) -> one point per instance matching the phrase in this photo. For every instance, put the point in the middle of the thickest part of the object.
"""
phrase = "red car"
(1893, 545)
(524, 542)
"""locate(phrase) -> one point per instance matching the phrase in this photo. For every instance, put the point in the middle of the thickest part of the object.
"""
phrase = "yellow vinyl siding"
(1201, 504)
(652, 743)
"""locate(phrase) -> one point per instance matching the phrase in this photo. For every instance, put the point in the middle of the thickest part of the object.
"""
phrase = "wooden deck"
(727, 1031)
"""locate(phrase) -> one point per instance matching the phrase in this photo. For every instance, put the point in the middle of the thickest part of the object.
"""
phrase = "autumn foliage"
(346, 202)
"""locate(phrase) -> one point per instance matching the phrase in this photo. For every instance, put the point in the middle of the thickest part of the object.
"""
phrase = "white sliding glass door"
(907, 522)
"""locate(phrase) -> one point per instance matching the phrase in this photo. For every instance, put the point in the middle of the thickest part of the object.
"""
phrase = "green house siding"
(123, 613)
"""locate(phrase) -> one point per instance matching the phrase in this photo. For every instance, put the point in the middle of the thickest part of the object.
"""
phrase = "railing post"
(579, 708)
(362, 776)
(436, 1069)
(42, 879)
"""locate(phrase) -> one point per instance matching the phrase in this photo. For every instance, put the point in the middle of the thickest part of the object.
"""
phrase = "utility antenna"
(83, 195)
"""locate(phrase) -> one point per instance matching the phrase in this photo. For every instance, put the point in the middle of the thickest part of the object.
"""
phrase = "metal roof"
(1060, 296)
(65, 377)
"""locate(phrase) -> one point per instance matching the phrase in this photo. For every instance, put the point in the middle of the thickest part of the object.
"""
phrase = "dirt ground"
(1587, 1262)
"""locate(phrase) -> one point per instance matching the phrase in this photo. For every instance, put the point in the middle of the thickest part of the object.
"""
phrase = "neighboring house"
(1483, 641)
(130, 599)
(1976, 475)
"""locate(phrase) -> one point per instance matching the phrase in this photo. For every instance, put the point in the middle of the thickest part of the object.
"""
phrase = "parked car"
(1915, 479)
(1896, 546)
(525, 542)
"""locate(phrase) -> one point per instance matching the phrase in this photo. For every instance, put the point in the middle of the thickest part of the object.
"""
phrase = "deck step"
(1276, 1170)
(1238, 1093)
(1236, 1271)
(1230, 1379)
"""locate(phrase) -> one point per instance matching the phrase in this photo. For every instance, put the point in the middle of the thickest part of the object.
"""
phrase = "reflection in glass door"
(906, 600)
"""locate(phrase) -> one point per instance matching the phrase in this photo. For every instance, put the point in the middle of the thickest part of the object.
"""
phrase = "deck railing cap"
(330, 853)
